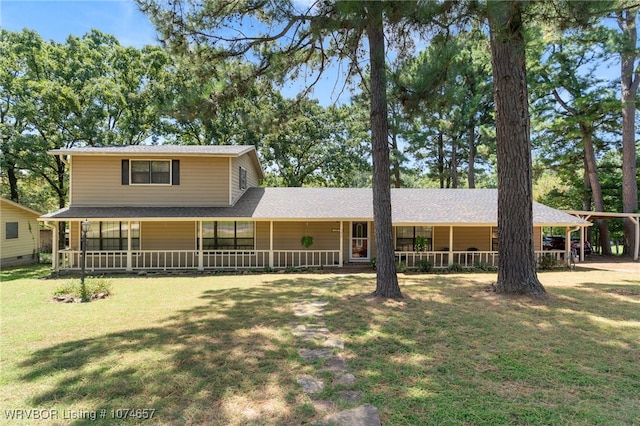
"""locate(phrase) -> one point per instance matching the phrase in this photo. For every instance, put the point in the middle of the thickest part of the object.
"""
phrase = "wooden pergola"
(591, 216)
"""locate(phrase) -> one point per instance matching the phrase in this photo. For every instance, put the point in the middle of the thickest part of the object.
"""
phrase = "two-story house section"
(201, 208)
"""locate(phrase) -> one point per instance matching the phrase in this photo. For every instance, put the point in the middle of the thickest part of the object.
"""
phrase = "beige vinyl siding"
(246, 163)
(287, 235)
(466, 237)
(27, 245)
(440, 238)
(537, 237)
(74, 235)
(168, 236)
(96, 181)
(262, 235)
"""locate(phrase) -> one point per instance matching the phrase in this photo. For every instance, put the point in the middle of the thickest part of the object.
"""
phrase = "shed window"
(11, 229)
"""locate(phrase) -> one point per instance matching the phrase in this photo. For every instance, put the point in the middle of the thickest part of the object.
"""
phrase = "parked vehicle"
(575, 245)
(553, 243)
(558, 243)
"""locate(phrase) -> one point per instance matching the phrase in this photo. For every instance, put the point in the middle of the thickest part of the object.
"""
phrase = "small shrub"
(373, 263)
(401, 267)
(92, 288)
(268, 269)
(484, 267)
(547, 262)
(455, 267)
(425, 265)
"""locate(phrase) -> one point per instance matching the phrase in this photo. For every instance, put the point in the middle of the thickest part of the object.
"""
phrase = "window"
(11, 230)
(227, 235)
(494, 238)
(408, 236)
(151, 172)
(243, 178)
(112, 236)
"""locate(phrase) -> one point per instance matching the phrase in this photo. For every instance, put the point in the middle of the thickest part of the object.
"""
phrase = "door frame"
(367, 239)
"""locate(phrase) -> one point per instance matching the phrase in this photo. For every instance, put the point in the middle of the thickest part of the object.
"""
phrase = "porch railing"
(466, 259)
(189, 259)
(260, 259)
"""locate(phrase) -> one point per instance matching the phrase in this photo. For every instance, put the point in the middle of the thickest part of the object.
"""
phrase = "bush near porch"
(219, 349)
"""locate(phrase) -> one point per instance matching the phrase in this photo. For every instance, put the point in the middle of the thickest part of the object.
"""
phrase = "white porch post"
(636, 221)
(200, 246)
(450, 245)
(567, 246)
(341, 243)
(55, 242)
(581, 243)
(129, 244)
(270, 244)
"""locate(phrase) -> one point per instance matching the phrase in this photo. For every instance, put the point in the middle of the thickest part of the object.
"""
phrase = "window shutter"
(175, 172)
(125, 172)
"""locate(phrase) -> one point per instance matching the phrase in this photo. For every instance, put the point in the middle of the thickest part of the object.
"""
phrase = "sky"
(56, 20)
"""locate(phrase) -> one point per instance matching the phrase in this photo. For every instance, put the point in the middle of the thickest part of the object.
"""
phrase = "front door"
(359, 240)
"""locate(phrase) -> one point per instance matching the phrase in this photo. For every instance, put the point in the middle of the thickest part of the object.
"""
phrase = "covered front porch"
(210, 245)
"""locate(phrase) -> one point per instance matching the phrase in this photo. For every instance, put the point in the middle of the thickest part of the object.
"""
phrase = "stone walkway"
(317, 343)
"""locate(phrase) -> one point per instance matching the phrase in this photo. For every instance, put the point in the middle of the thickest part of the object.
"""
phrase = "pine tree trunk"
(629, 81)
(395, 164)
(453, 167)
(594, 182)
(441, 158)
(386, 276)
(516, 262)
(471, 170)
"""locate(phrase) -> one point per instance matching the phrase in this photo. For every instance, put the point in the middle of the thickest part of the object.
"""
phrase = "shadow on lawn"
(229, 357)
(449, 353)
(452, 353)
(33, 271)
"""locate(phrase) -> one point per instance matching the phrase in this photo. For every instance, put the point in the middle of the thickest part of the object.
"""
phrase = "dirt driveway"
(610, 263)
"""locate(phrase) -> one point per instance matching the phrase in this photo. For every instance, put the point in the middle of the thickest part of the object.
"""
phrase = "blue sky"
(56, 20)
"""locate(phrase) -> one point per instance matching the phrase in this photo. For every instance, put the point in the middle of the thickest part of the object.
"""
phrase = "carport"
(591, 216)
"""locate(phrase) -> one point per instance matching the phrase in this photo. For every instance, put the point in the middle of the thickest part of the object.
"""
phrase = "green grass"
(219, 349)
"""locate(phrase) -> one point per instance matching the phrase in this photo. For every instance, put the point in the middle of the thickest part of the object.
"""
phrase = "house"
(200, 208)
(20, 234)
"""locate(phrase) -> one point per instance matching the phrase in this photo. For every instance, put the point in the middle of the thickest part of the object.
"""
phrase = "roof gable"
(7, 202)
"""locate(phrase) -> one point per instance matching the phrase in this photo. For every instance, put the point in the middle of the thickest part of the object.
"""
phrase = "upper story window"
(151, 172)
(157, 171)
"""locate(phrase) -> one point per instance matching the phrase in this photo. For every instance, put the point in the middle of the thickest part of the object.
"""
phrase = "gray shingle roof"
(410, 206)
(223, 150)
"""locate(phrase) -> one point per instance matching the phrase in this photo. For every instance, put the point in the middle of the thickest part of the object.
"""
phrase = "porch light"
(85, 229)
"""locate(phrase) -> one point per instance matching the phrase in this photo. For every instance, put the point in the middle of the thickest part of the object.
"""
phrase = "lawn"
(220, 350)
